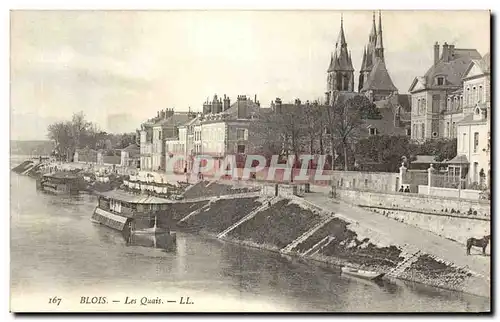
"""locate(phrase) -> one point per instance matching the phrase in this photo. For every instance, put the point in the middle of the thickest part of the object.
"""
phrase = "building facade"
(155, 132)
(473, 130)
(375, 83)
(220, 130)
(437, 98)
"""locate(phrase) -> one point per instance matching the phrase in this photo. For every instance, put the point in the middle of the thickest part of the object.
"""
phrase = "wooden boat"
(137, 214)
(367, 275)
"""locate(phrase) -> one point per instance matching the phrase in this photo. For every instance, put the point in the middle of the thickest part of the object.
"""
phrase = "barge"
(60, 183)
(135, 214)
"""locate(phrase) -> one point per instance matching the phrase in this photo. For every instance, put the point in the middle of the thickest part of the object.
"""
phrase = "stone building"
(155, 132)
(473, 127)
(340, 72)
(374, 82)
(431, 114)
(223, 128)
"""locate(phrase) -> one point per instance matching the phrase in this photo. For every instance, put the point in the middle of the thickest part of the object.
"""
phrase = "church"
(374, 82)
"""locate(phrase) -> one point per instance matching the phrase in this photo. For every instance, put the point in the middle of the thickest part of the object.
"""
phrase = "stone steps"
(252, 214)
(306, 235)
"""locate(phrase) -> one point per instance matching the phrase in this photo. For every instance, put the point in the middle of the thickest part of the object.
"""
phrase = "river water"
(57, 251)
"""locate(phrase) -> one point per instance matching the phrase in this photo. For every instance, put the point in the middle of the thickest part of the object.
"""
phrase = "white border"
(185, 4)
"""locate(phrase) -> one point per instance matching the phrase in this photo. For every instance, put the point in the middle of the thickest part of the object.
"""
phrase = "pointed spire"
(341, 39)
(380, 43)
(363, 62)
(373, 33)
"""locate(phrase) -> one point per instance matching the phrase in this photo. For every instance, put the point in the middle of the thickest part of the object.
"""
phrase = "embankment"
(292, 227)
(452, 218)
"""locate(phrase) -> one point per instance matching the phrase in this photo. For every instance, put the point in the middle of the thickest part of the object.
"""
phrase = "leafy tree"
(349, 116)
(385, 151)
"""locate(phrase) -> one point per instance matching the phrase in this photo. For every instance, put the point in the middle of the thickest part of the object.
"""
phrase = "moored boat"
(60, 183)
(139, 214)
(367, 275)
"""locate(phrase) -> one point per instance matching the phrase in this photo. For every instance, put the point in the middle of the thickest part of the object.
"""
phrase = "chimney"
(436, 53)
(255, 99)
(242, 107)
(297, 101)
(446, 53)
(451, 52)
(278, 105)
(227, 102)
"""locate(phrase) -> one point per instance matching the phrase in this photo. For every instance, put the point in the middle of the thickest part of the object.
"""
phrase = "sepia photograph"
(250, 161)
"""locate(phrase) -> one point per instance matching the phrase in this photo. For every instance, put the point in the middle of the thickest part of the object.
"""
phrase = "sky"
(121, 67)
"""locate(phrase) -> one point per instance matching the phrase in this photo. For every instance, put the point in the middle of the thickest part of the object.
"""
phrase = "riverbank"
(314, 229)
(298, 230)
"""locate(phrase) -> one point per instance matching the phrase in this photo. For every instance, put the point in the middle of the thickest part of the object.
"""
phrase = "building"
(340, 73)
(130, 156)
(374, 82)
(474, 128)
(155, 132)
(222, 129)
(437, 98)
(374, 79)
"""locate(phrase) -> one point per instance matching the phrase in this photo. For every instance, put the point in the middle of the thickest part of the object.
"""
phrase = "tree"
(349, 116)
(441, 149)
(61, 134)
(384, 152)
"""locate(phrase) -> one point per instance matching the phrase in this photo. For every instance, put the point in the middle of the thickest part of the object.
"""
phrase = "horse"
(483, 243)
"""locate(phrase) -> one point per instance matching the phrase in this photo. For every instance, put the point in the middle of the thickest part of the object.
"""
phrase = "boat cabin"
(60, 183)
(138, 213)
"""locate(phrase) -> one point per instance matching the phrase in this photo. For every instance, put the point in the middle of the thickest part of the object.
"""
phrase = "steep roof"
(174, 120)
(341, 60)
(454, 69)
(379, 78)
(385, 125)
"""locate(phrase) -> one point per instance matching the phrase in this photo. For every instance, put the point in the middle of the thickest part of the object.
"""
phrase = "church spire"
(379, 47)
(380, 43)
(373, 32)
(341, 39)
(363, 62)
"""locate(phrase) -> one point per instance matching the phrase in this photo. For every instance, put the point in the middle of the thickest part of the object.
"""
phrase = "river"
(57, 251)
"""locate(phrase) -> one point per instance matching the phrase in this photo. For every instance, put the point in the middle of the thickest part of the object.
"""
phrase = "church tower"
(374, 79)
(340, 72)
(368, 56)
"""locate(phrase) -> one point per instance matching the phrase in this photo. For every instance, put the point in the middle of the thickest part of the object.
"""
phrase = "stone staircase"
(318, 246)
(405, 264)
(307, 234)
(197, 211)
(252, 214)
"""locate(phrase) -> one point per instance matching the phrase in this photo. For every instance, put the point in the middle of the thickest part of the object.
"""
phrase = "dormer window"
(373, 131)
(440, 80)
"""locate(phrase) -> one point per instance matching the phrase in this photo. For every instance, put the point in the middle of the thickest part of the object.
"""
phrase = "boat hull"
(367, 275)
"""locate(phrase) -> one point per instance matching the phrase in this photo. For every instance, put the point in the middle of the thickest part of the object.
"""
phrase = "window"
(476, 141)
(419, 107)
(448, 130)
(414, 132)
(480, 96)
(241, 148)
(468, 98)
(373, 131)
(422, 130)
(464, 136)
(474, 95)
(408, 132)
(240, 134)
(440, 81)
